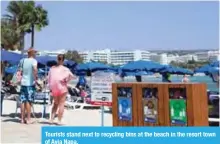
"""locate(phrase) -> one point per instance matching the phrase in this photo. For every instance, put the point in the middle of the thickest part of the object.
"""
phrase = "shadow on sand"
(14, 120)
(15, 117)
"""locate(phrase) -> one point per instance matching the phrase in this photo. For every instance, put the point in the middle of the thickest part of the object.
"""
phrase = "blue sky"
(128, 25)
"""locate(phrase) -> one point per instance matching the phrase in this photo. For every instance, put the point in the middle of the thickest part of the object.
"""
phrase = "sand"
(14, 132)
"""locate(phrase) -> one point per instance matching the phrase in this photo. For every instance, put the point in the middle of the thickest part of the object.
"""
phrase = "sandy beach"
(14, 132)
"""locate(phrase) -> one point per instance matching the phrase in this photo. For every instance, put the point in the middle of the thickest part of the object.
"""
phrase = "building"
(214, 55)
(123, 57)
(208, 55)
(171, 58)
(186, 58)
(100, 55)
(160, 58)
(115, 57)
(202, 56)
(51, 53)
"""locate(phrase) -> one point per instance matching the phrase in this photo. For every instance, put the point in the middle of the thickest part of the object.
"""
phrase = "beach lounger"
(79, 104)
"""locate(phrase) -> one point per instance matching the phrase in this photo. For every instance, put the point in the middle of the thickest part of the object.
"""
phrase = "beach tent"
(10, 57)
(141, 65)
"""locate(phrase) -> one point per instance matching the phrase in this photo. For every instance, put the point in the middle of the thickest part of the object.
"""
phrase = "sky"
(128, 25)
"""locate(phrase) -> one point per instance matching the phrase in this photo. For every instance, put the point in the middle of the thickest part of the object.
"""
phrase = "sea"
(174, 78)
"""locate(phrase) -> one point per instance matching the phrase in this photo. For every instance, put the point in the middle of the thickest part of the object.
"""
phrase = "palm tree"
(10, 39)
(26, 16)
(11, 33)
(34, 17)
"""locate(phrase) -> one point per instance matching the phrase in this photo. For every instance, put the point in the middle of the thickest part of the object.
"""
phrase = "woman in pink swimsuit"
(58, 78)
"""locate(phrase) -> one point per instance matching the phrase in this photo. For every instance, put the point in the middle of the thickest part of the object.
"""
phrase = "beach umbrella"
(208, 67)
(214, 64)
(69, 63)
(113, 70)
(141, 65)
(92, 66)
(214, 70)
(46, 60)
(204, 69)
(80, 73)
(52, 60)
(11, 70)
(10, 57)
(214, 73)
(176, 70)
(211, 69)
(138, 73)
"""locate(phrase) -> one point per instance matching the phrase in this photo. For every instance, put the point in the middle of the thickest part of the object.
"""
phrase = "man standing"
(27, 92)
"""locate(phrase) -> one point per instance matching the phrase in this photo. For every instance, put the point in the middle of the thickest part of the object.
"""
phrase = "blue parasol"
(141, 65)
(10, 57)
(92, 66)
(176, 70)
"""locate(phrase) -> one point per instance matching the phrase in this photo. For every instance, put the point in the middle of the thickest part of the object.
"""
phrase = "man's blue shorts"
(27, 94)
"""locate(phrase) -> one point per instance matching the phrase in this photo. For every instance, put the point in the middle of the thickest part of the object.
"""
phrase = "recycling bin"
(159, 104)
(124, 104)
(186, 104)
(150, 104)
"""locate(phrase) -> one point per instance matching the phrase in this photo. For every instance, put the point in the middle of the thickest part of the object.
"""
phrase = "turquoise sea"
(203, 79)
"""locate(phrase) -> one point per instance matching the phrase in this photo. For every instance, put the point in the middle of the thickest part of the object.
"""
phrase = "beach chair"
(79, 104)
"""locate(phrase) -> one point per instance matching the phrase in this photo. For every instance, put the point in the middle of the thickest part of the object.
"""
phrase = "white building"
(209, 55)
(186, 58)
(202, 56)
(160, 58)
(100, 55)
(115, 57)
(171, 58)
(214, 55)
(52, 53)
